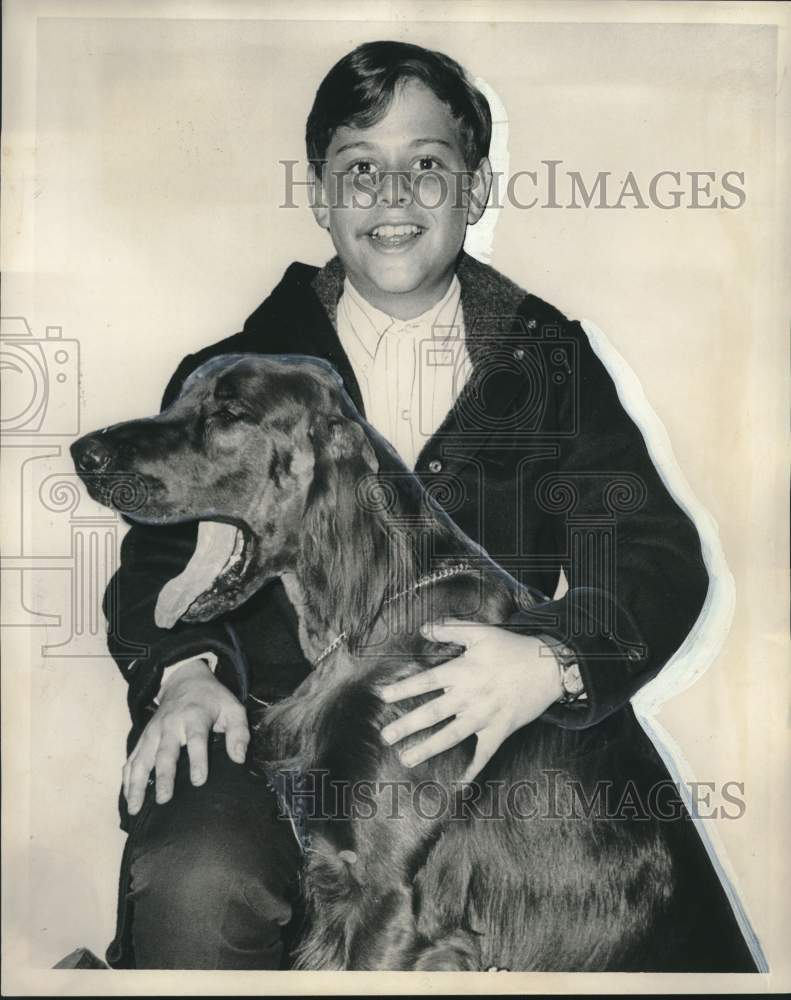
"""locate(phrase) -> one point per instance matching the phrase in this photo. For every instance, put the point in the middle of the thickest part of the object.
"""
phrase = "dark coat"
(540, 464)
(537, 461)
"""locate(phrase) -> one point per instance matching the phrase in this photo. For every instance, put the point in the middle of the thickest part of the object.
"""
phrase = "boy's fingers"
(420, 718)
(128, 768)
(198, 753)
(139, 772)
(140, 762)
(165, 764)
(451, 630)
(422, 683)
(237, 737)
(446, 738)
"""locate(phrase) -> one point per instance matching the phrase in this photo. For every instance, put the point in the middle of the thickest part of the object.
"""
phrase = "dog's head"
(246, 447)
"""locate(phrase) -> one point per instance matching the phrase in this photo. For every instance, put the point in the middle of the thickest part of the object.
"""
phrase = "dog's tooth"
(238, 550)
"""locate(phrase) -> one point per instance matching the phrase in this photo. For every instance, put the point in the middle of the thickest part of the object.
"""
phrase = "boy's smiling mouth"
(389, 236)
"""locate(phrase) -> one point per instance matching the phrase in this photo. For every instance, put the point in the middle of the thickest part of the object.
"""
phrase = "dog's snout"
(90, 454)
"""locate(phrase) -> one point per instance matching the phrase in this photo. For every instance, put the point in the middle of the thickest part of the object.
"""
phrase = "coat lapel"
(494, 331)
(328, 288)
(494, 328)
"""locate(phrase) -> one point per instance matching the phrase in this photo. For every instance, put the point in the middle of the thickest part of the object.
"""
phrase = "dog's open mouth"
(213, 578)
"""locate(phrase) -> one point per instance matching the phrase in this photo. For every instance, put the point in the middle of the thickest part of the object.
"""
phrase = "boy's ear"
(479, 191)
(318, 197)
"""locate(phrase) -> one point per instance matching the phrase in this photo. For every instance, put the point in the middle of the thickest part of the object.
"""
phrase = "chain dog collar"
(424, 581)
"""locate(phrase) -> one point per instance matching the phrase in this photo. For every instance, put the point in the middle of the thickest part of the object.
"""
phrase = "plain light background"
(142, 216)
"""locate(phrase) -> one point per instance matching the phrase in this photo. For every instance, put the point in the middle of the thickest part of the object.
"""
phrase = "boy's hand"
(193, 704)
(499, 684)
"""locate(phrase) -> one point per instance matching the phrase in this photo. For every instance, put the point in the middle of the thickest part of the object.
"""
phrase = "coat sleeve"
(150, 556)
(637, 580)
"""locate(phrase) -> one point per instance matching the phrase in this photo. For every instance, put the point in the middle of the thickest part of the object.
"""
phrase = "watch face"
(571, 680)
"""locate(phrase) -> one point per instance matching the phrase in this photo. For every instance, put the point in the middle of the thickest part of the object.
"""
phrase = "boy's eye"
(363, 168)
(428, 163)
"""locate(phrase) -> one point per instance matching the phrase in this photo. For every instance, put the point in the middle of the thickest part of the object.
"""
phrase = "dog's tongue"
(215, 545)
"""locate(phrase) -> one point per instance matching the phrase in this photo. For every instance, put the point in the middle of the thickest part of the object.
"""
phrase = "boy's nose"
(396, 188)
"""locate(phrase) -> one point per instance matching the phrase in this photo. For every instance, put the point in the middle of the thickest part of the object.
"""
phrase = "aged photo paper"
(154, 191)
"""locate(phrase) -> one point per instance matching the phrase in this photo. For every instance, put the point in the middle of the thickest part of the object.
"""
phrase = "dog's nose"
(90, 455)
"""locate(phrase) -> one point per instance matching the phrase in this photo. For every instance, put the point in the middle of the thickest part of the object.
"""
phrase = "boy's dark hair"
(359, 88)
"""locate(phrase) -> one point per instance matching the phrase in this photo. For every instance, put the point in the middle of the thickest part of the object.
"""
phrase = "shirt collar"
(370, 324)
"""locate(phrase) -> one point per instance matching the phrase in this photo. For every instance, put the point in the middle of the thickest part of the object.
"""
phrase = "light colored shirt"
(410, 372)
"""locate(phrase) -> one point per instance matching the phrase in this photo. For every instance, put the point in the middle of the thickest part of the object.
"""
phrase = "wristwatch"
(571, 682)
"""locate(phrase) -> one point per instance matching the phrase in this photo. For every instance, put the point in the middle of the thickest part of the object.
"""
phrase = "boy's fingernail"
(240, 752)
(197, 777)
(388, 737)
(408, 759)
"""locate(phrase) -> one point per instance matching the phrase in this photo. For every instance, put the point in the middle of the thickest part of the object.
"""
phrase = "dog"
(287, 480)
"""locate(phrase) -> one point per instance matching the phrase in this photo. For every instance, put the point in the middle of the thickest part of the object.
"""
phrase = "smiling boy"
(398, 144)
(397, 197)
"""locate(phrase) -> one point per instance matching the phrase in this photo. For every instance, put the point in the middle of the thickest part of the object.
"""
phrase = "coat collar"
(490, 302)
(493, 308)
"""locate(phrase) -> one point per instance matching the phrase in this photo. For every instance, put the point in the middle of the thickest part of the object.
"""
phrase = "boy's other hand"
(500, 683)
(194, 703)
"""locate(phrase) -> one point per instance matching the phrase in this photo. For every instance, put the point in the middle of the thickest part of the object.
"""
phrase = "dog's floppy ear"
(344, 541)
(346, 439)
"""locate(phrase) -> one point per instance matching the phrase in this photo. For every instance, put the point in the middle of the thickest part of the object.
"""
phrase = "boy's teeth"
(385, 232)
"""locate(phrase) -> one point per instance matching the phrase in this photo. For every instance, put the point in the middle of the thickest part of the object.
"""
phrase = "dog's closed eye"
(227, 415)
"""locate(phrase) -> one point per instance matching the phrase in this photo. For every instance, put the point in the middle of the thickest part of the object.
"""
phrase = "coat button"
(519, 354)
(435, 465)
(634, 654)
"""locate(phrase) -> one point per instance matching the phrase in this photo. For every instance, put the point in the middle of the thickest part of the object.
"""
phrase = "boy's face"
(397, 198)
